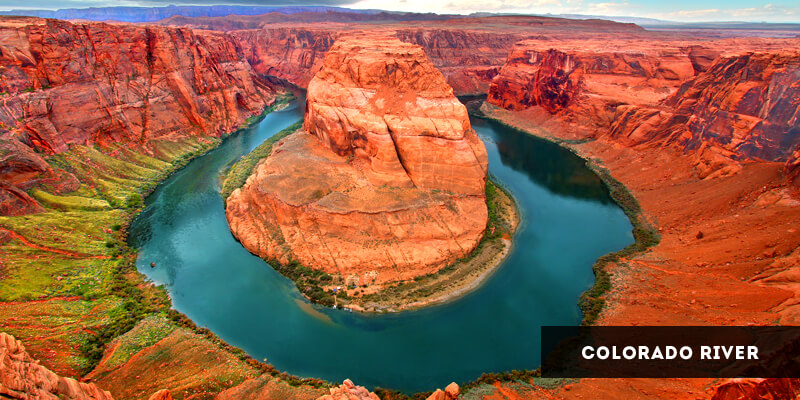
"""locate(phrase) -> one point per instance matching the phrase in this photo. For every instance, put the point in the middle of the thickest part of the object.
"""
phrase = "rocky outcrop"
(348, 391)
(753, 389)
(385, 182)
(449, 393)
(21, 377)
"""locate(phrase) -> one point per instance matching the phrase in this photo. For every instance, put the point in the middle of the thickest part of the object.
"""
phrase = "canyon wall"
(468, 59)
(385, 182)
(721, 109)
(66, 84)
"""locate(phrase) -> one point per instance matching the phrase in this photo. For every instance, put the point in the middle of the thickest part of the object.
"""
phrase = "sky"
(675, 10)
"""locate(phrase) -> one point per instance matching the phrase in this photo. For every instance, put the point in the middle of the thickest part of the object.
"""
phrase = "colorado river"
(568, 221)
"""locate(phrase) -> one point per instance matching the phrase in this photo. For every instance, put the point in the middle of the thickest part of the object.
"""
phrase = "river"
(568, 221)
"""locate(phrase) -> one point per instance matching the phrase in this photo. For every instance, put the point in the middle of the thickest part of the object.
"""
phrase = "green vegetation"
(146, 333)
(645, 236)
(75, 259)
(69, 202)
(238, 173)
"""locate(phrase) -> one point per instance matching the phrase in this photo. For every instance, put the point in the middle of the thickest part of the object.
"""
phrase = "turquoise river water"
(568, 221)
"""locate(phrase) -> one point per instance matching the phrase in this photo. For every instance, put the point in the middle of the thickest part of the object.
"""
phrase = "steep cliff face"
(553, 76)
(96, 83)
(386, 181)
(469, 60)
(391, 109)
(66, 84)
(749, 105)
(21, 377)
(731, 109)
(294, 54)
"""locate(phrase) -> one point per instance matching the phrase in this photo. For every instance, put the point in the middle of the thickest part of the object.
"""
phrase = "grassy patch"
(69, 202)
(145, 334)
(238, 173)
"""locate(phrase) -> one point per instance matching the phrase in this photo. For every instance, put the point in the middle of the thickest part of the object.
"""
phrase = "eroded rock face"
(553, 76)
(92, 83)
(349, 391)
(749, 105)
(387, 179)
(21, 377)
(755, 388)
(381, 101)
(736, 107)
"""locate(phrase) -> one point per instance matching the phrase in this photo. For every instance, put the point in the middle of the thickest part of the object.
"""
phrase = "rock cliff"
(386, 180)
(21, 377)
(468, 59)
(721, 109)
(65, 84)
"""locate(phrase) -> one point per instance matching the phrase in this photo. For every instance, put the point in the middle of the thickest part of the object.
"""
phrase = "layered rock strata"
(721, 109)
(64, 84)
(386, 181)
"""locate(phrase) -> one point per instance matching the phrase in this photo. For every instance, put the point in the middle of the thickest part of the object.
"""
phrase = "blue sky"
(678, 10)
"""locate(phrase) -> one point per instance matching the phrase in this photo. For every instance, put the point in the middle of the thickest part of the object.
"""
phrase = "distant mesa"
(386, 179)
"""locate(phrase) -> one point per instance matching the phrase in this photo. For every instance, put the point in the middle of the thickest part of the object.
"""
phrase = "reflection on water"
(569, 221)
(548, 164)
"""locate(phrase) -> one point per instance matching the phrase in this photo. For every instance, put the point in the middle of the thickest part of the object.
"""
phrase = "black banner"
(670, 352)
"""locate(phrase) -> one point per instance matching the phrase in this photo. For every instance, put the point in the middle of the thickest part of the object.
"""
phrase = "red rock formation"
(21, 377)
(736, 108)
(755, 389)
(449, 393)
(748, 105)
(294, 54)
(388, 181)
(348, 391)
(552, 75)
(99, 83)
(64, 84)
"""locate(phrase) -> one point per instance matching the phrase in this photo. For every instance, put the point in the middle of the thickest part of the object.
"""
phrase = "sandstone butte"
(386, 179)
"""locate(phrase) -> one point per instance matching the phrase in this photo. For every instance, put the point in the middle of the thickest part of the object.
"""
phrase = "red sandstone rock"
(553, 74)
(21, 377)
(162, 394)
(99, 83)
(348, 391)
(449, 393)
(388, 183)
(755, 389)
(737, 107)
